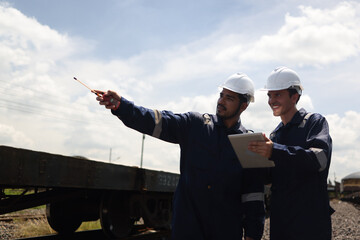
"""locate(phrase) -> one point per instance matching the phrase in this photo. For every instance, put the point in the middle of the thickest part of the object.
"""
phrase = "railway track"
(341, 229)
(139, 231)
(99, 234)
(24, 217)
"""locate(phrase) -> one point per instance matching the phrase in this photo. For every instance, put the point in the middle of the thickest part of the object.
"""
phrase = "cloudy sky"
(170, 55)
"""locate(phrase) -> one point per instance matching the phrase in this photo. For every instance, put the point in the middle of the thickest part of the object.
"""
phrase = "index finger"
(98, 92)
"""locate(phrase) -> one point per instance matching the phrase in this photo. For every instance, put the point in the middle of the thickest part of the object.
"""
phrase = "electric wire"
(41, 105)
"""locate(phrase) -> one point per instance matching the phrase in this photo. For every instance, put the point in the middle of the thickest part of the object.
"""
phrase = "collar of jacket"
(296, 120)
(237, 128)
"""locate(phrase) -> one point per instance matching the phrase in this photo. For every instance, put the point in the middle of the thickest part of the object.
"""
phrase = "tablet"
(247, 158)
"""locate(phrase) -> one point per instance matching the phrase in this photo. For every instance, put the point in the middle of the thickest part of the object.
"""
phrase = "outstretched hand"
(110, 99)
(264, 148)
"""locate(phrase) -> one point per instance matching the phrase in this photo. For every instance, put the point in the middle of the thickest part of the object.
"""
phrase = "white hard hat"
(283, 78)
(240, 83)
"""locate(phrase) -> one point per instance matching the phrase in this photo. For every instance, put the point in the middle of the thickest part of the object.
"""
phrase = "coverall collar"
(296, 119)
(237, 128)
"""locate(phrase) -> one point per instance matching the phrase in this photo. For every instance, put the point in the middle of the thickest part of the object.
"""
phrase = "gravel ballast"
(345, 222)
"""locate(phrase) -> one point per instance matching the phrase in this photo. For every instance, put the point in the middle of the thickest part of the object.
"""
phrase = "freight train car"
(76, 190)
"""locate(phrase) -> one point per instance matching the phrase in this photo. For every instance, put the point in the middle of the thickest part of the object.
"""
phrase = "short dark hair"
(244, 98)
(293, 91)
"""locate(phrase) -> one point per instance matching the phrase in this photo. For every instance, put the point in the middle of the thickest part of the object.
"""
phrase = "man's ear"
(294, 98)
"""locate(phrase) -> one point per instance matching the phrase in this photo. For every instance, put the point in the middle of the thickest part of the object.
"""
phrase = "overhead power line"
(39, 104)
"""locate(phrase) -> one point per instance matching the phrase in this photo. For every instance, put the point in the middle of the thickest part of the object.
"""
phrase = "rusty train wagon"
(77, 190)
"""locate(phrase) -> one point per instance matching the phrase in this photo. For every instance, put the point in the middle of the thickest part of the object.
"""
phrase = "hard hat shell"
(283, 78)
(240, 83)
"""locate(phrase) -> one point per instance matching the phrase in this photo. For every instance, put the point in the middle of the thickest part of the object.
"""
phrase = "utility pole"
(110, 156)
(142, 150)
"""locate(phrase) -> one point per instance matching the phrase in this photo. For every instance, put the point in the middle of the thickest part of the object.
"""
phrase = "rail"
(141, 234)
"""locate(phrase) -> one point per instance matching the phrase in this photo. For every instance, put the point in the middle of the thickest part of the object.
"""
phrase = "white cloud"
(32, 56)
(11, 136)
(316, 37)
(28, 40)
(43, 108)
(345, 132)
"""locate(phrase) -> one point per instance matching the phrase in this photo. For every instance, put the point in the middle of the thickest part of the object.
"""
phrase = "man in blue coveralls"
(300, 147)
(215, 198)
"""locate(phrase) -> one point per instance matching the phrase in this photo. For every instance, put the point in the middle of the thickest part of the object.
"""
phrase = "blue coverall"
(299, 200)
(215, 198)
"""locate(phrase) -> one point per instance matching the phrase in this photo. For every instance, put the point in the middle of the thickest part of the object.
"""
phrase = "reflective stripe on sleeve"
(248, 197)
(321, 157)
(158, 124)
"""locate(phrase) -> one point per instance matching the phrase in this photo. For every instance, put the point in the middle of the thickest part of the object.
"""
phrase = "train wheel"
(115, 215)
(158, 212)
(61, 217)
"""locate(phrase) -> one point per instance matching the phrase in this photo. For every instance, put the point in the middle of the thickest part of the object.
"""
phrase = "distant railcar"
(351, 183)
(75, 190)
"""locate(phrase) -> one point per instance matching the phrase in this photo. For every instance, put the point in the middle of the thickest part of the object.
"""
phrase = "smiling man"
(300, 147)
(215, 198)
